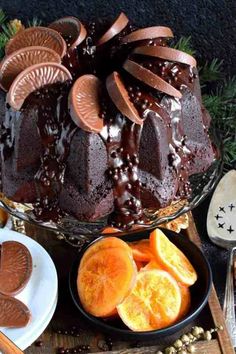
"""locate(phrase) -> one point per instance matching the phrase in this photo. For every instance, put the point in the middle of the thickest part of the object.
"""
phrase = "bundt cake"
(99, 123)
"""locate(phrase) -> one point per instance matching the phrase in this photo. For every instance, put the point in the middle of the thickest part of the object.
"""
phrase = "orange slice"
(110, 230)
(141, 250)
(84, 103)
(139, 265)
(18, 61)
(32, 79)
(104, 280)
(185, 301)
(171, 258)
(152, 265)
(118, 26)
(71, 29)
(106, 243)
(37, 36)
(153, 303)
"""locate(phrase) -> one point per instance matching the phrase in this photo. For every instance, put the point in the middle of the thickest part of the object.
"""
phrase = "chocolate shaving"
(118, 26)
(166, 53)
(148, 33)
(149, 78)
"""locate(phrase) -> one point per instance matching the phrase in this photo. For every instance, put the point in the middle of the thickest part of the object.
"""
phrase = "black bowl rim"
(104, 326)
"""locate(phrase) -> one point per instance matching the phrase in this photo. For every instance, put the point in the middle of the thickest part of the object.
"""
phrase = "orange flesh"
(104, 280)
(141, 250)
(153, 303)
(172, 259)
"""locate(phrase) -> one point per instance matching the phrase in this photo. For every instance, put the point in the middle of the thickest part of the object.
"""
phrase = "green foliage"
(211, 71)
(222, 106)
(34, 22)
(7, 30)
(2, 17)
(184, 44)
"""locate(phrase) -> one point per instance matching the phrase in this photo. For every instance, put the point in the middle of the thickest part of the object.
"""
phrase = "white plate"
(40, 294)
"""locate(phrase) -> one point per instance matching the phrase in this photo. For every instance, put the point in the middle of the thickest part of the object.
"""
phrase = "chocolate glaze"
(120, 135)
(56, 129)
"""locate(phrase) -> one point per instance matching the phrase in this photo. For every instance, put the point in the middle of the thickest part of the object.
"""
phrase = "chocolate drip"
(179, 153)
(122, 140)
(56, 130)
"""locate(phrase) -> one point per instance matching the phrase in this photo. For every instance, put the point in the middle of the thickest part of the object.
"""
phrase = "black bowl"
(199, 291)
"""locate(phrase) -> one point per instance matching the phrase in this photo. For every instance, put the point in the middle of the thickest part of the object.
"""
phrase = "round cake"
(100, 122)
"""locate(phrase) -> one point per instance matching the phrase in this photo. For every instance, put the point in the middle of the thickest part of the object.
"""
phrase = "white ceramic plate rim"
(40, 294)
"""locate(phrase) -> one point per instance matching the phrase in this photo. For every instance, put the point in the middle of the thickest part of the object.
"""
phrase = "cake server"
(221, 228)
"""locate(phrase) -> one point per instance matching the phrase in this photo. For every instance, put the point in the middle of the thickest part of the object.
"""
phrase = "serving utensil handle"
(229, 301)
(7, 346)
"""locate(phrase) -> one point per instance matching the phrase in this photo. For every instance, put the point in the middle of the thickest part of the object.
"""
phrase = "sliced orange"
(171, 258)
(185, 301)
(105, 243)
(153, 303)
(140, 265)
(152, 265)
(141, 250)
(105, 279)
(110, 230)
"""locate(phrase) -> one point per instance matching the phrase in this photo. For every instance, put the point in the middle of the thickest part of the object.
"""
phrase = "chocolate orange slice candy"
(120, 97)
(71, 29)
(18, 61)
(13, 313)
(15, 267)
(84, 103)
(166, 53)
(37, 36)
(148, 33)
(150, 79)
(32, 79)
(118, 26)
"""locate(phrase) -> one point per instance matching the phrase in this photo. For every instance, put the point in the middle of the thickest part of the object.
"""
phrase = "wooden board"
(67, 318)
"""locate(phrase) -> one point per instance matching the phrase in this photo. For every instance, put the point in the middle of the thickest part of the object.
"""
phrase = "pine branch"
(211, 71)
(3, 17)
(9, 29)
(34, 22)
(184, 44)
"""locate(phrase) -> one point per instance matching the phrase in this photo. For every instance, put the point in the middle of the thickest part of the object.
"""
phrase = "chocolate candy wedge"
(166, 53)
(32, 79)
(118, 26)
(18, 61)
(120, 97)
(71, 29)
(37, 36)
(13, 313)
(150, 79)
(15, 267)
(148, 33)
(84, 103)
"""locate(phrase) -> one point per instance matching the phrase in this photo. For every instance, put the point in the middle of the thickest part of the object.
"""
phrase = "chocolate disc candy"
(32, 79)
(18, 61)
(149, 78)
(15, 267)
(37, 36)
(120, 97)
(148, 33)
(166, 53)
(84, 103)
(118, 26)
(13, 313)
(71, 29)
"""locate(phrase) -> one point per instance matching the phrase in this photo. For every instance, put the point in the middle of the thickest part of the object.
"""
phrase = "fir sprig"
(210, 72)
(184, 44)
(34, 22)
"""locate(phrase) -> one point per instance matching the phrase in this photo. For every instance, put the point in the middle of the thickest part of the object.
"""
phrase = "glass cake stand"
(76, 232)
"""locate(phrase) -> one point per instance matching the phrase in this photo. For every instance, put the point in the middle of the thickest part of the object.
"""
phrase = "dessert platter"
(29, 289)
(102, 129)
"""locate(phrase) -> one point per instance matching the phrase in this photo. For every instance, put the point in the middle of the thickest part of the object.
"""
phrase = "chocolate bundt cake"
(100, 124)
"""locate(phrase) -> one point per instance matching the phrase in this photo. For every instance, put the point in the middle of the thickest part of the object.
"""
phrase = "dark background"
(211, 24)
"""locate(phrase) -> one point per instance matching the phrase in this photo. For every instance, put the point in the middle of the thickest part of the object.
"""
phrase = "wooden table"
(77, 332)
